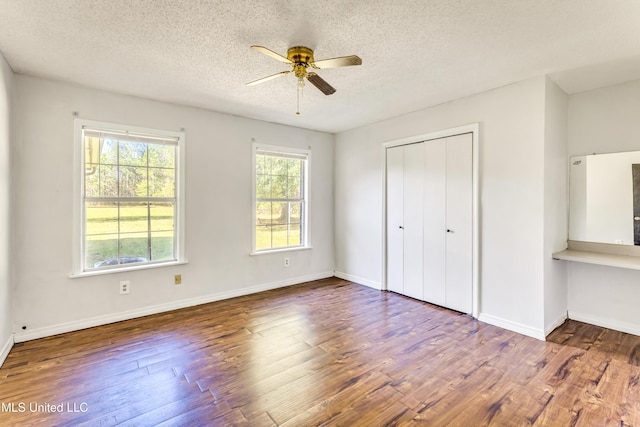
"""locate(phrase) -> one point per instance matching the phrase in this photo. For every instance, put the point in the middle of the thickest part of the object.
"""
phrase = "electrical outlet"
(286, 262)
(125, 287)
(177, 279)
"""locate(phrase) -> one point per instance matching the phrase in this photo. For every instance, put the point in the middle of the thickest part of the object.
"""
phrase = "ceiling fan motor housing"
(300, 55)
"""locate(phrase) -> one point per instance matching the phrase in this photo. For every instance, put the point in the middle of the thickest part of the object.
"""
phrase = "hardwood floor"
(324, 353)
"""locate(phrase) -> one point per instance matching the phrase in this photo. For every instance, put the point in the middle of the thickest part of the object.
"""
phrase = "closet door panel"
(434, 202)
(395, 209)
(413, 218)
(459, 207)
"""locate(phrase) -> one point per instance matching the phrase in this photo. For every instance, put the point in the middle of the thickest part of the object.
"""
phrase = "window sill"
(275, 251)
(125, 269)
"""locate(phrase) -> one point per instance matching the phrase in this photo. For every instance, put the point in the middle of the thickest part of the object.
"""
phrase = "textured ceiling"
(415, 53)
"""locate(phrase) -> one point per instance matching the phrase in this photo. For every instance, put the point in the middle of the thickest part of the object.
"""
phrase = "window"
(130, 188)
(280, 198)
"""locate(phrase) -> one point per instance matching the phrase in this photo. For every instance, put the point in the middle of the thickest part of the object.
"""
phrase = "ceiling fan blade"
(266, 79)
(343, 61)
(320, 83)
(271, 53)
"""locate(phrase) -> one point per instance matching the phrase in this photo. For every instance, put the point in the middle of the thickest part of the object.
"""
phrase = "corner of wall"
(555, 204)
(359, 280)
(6, 287)
(509, 325)
(6, 348)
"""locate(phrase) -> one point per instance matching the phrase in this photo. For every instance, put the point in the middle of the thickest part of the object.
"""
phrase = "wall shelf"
(601, 254)
(610, 260)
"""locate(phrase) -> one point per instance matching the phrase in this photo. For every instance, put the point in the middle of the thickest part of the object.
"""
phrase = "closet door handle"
(449, 230)
(401, 227)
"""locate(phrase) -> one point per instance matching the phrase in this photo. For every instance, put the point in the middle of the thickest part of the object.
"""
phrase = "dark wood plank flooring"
(324, 353)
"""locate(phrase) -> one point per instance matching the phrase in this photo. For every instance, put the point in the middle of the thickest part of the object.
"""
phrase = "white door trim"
(474, 129)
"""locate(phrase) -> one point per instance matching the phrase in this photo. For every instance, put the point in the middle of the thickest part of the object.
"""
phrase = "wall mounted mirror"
(604, 197)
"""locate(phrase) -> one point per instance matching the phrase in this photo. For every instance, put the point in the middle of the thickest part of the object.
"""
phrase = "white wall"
(512, 199)
(601, 121)
(555, 205)
(218, 210)
(6, 285)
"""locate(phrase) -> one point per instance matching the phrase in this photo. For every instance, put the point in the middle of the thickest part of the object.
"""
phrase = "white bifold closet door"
(412, 223)
(435, 221)
(429, 221)
(395, 219)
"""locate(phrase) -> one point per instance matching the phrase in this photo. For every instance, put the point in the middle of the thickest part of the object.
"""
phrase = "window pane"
(132, 153)
(91, 150)
(294, 213)
(261, 165)
(263, 237)
(294, 167)
(133, 217)
(162, 246)
(92, 180)
(278, 186)
(100, 250)
(263, 186)
(279, 166)
(294, 235)
(263, 213)
(133, 182)
(161, 182)
(279, 236)
(279, 213)
(108, 181)
(293, 188)
(133, 247)
(102, 218)
(162, 217)
(162, 156)
(109, 152)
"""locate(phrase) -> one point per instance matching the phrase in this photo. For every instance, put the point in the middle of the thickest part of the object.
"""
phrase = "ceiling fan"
(301, 58)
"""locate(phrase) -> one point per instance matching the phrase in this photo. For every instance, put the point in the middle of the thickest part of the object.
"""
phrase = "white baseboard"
(62, 328)
(604, 322)
(512, 326)
(358, 280)
(559, 321)
(4, 352)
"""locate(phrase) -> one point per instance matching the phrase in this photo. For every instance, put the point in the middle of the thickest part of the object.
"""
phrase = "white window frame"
(277, 149)
(78, 269)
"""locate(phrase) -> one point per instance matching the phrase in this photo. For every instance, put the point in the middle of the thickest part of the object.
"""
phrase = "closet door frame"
(473, 129)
